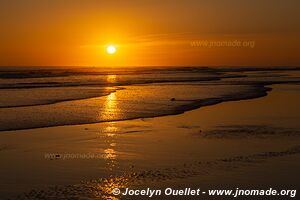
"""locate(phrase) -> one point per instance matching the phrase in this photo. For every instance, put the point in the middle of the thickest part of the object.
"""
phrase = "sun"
(111, 49)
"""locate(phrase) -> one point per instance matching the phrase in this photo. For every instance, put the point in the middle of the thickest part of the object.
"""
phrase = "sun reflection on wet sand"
(110, 130)
(105, 189)
(110, 154)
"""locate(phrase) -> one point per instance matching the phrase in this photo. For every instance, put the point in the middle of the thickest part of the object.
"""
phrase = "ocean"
(35, 97)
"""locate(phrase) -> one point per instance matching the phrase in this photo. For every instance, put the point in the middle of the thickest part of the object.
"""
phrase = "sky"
(150, 32)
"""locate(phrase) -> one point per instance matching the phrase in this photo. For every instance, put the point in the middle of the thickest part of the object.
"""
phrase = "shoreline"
(162, 93)
(147, 147)
(179, 110)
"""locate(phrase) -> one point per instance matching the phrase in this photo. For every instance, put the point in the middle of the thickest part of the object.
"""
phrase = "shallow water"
(54, 97)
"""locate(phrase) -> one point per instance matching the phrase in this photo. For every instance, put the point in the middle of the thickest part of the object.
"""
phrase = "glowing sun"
(111, 49)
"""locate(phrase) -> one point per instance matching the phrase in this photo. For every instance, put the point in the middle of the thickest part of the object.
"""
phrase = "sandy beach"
(231, 144)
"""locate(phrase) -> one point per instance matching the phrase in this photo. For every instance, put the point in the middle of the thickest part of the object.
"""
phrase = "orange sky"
(148, 32)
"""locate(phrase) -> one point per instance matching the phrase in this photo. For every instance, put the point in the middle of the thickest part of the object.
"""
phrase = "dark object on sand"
(173, 99)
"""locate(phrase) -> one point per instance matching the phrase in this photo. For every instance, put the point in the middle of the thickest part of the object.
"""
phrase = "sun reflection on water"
(111, 78)
(110, 109)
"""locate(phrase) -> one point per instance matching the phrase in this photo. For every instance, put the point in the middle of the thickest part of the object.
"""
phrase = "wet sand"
(244, 143)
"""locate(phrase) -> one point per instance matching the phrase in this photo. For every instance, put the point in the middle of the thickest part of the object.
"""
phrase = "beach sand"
(248, 143)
